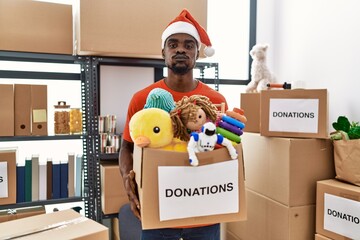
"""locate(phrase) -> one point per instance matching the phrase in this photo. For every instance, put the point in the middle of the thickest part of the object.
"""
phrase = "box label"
(198, 191)
(4, 193)
(294, 115)
(39, 115)
(342, 216)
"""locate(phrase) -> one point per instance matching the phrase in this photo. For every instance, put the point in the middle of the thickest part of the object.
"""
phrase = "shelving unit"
(87, 103)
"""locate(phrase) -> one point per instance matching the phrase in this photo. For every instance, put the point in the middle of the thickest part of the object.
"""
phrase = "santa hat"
(185, 23)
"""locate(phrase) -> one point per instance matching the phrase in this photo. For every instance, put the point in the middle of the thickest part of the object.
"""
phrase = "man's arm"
(128, 175)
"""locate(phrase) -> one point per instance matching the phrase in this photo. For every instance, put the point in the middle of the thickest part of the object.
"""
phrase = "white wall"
(117, 86)
(316, 41)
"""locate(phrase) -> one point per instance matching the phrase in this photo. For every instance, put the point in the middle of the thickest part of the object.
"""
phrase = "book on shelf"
(78, 175)
(28, 179)
(20, 182)
(56, 184)
(64, 178)
(35, 177)
(49, 178)
(42, 180)
(71, 181)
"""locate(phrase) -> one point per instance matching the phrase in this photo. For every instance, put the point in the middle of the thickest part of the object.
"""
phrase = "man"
(181, 43)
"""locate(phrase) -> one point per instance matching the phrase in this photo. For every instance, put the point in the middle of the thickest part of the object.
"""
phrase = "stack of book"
(50, 179)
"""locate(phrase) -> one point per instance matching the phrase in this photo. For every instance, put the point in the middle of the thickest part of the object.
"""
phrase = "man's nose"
(180, 49)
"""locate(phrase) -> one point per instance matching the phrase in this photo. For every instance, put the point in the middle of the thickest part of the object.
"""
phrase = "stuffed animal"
(152, 128)
(190, 114)
(260, 73)
(160, 98)
(206, 141)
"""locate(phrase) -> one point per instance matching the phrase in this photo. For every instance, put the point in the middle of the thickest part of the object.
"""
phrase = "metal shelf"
(87, 104)
(38, 138)
(41, 203)
(109, 156)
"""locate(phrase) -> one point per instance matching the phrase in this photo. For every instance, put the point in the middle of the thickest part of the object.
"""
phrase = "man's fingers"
(132, 194)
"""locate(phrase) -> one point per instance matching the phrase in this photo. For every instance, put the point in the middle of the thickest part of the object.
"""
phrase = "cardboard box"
(7, 176)
(18, 213)
(150, 165)
(287, 169)
(118, 27)
(250, 103)
(22, 94)
(34, 26)
(321, 237)
(294, 113)
(7, 110)
(66, 224)
(338, 210)
(268, 219)
(113, 194)
(39, 110)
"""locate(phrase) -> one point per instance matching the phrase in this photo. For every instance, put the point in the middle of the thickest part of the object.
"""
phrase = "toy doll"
(190, 114)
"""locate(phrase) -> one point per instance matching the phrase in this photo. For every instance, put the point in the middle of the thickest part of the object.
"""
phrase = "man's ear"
(197, 55)
(162, 53)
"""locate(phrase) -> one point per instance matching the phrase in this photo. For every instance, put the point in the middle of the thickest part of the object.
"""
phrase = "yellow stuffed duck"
(152, 127)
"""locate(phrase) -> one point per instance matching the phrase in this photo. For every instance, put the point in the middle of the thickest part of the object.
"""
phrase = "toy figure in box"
(206, 141)
(190, 114)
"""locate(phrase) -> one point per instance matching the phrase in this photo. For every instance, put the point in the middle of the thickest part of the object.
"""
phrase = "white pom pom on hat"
(185, 23)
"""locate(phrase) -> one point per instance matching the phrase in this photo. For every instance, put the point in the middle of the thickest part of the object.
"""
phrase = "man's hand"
(131, 190)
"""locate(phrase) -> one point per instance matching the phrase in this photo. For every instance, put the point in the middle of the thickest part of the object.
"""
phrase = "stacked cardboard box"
(281, 176)
(100, 29)
(250, 103)
(27, 30)
(337, 210)
(18, 213)
(290, 113)
(66, 224)
(286, 151)
(113, 194)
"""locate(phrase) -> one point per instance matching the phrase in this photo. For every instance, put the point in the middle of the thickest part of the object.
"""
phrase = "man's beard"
(181, 70)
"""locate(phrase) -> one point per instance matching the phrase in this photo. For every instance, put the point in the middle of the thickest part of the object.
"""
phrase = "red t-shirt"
(139, 99)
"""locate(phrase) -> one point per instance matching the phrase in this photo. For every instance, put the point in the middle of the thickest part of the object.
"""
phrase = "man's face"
(180, 53)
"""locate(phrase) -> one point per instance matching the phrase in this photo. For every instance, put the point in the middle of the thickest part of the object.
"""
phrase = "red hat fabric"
(185, 23)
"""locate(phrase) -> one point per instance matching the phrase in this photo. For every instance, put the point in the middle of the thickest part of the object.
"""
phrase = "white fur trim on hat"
(180, 27)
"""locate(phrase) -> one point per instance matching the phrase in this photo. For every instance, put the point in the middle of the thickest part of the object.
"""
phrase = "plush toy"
(160, 98)
(206, 141)
(152, 127)
(190, 114)
(260, 74)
